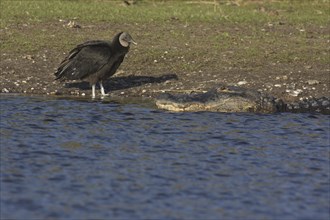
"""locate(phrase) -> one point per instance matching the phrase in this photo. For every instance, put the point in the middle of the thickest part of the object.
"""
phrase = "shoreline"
(126, 85)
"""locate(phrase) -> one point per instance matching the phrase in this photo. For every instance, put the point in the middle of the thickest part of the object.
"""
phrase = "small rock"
(291, 86)
(294, 92)
(312, 82)
(242, 83)
(281, 77)
(4, 90)
(278, 85)
(73, 24)
(28, 57)
(75, 92)
(268, 85)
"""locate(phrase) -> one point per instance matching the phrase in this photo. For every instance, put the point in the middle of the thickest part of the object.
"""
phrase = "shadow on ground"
(124, 82)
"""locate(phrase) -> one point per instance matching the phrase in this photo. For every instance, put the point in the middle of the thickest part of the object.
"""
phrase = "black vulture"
(95, 61)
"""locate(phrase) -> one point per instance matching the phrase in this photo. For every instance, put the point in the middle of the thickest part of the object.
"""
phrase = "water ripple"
(71, 159)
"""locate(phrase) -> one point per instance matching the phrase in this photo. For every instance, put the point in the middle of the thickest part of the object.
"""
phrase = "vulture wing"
(84, 60)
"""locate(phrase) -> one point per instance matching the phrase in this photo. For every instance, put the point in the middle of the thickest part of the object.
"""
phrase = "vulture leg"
(102, 89)
(93, 91)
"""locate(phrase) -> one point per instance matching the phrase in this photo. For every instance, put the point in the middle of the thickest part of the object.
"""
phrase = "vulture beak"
(133, 42)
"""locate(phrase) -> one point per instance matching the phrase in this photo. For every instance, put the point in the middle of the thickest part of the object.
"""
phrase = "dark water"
(70, 159)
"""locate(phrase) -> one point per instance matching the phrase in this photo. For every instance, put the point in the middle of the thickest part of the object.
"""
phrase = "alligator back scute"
(320, 105)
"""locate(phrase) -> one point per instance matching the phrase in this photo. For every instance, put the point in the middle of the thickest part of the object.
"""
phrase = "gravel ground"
(167, 65)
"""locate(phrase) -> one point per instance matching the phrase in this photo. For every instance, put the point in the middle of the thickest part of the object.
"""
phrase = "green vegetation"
(298, 11)
(235, 32)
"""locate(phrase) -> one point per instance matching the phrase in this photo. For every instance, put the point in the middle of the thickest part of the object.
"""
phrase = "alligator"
(224, 98)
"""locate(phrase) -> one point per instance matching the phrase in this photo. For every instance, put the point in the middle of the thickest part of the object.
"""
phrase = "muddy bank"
(194, 61)
(33, 74)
